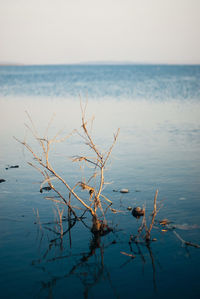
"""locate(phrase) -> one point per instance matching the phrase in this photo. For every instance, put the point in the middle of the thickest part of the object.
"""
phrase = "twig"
(185, 242)
(153, 217)
(128, 254)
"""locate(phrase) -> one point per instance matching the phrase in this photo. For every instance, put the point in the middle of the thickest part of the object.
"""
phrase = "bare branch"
(111, 148)
(49, 174)
(185, 242)
(153, 217)
(80, 159)
(128, 254)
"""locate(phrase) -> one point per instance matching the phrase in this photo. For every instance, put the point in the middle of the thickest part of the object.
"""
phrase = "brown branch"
(80, 159)
(153, 217)
(47, 171)
(59, 177)
(128, 254)
(143, 224)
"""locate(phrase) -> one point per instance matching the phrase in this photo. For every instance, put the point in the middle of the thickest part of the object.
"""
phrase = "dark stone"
(12, 166)
(2, 180)
(48, 188)
(138, 212)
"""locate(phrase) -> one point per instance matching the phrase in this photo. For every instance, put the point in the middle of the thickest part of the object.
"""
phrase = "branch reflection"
(88, 267)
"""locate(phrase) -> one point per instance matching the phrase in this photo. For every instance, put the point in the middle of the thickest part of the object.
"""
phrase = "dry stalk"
(153, 217)
(100, 160)
(143, 225)
(128, 254)
(49, 174)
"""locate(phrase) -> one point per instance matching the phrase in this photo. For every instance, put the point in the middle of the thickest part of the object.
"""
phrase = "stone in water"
(124, 191)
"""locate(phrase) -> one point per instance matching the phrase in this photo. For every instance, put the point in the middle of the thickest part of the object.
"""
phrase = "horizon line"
(104, 62)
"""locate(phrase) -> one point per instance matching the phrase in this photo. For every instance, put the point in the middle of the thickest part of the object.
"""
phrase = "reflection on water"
(90, 267)
(87, 267)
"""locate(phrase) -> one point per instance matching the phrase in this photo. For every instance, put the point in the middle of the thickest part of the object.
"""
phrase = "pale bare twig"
(153, 217)
(185, 242)
(49, 174)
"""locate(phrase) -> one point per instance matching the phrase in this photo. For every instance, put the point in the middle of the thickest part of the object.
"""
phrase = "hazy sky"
(67, 31)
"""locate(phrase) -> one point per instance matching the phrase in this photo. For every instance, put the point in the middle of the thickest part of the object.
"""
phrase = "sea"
(157, 109)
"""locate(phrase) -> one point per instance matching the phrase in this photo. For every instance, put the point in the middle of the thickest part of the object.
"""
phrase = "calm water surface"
(158, 111)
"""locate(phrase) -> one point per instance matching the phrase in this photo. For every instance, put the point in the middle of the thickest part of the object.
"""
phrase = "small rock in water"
(48, 188)
(124, 190)
(2, 180)
(12, 166)
(138, 212)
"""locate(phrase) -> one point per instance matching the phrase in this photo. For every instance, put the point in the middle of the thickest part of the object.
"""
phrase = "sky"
(78, 31)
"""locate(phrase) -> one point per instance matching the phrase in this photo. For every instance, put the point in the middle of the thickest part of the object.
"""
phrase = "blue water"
(123, 81)
(158, 111)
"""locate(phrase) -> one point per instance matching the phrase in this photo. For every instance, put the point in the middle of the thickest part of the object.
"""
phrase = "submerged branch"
(185, 242)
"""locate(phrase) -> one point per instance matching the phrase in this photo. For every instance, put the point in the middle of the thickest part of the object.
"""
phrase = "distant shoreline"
(11, 64)
(101, 64)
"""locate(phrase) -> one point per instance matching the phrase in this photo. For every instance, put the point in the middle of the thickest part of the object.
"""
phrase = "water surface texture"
(157, 109)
